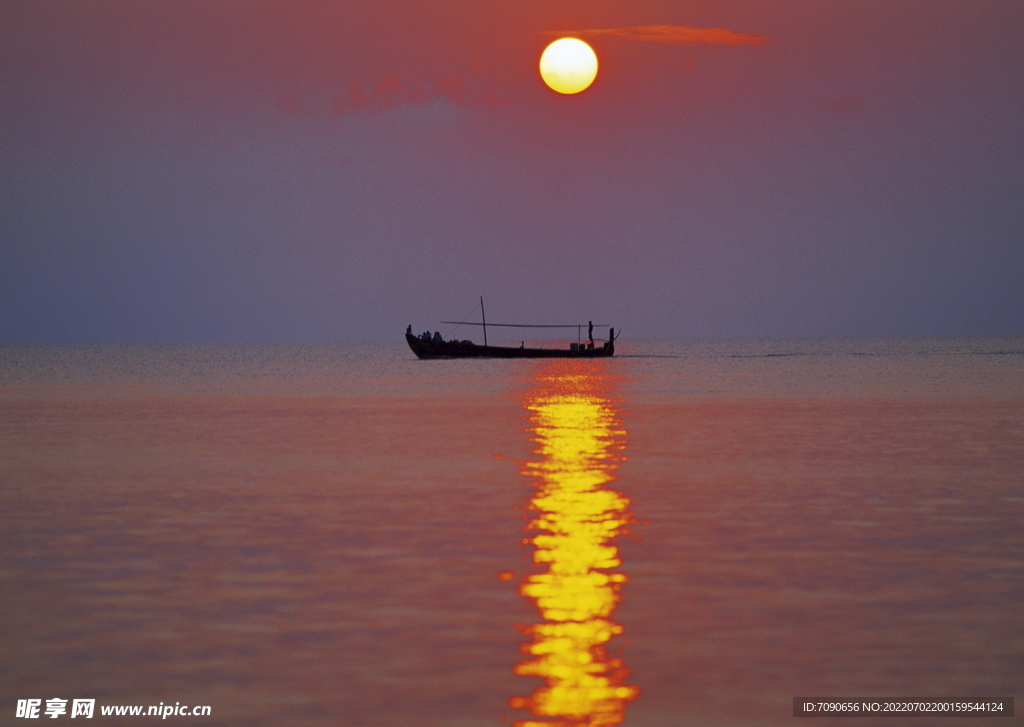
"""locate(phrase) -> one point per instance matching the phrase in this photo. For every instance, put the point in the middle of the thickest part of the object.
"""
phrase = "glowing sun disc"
(568, 65)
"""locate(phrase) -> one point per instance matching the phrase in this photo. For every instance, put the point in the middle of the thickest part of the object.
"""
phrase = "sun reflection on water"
(579, 444)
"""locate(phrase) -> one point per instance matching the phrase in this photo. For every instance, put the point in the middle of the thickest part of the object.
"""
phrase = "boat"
(433, 346)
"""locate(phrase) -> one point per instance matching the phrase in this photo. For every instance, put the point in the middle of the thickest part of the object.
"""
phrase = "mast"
(484, 316)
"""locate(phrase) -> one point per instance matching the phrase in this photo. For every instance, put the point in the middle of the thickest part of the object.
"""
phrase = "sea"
(689, 533)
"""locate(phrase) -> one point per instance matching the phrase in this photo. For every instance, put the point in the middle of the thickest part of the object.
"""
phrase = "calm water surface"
(690, 533)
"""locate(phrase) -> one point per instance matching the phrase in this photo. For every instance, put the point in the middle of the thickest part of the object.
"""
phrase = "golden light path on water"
(579, 444)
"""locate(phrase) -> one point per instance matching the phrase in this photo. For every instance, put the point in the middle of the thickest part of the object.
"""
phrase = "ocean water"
(691, 533)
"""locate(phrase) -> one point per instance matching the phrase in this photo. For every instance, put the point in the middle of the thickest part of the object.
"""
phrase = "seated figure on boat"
(437, 337)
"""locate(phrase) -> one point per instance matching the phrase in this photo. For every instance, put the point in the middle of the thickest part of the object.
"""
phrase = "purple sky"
(185, 171)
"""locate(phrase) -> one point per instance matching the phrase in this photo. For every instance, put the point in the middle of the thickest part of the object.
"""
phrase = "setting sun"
(568, 65)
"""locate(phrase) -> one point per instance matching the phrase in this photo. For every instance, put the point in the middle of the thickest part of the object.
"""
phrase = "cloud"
(676, 34)
(379, 95)
(844, 105)
(389, 91)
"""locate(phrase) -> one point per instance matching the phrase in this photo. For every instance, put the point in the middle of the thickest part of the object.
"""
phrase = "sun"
(568, 65)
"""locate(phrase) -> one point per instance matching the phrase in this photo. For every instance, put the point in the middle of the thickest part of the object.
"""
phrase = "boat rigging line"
(483, 316)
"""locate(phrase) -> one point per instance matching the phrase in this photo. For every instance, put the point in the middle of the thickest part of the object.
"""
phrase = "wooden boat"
(433, 346)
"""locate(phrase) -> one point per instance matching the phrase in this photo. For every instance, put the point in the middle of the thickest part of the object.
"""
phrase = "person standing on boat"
(590, 332)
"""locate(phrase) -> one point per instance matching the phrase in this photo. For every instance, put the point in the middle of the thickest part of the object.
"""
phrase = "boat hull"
(424, 348)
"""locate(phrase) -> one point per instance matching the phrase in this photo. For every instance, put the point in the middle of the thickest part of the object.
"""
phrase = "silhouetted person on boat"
(437, 337)
(408, 331)
(590, 332)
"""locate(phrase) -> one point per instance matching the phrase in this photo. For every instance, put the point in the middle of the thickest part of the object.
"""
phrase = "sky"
(334, 171)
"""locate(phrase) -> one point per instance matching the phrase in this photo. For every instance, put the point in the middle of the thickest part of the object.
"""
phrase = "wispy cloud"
(677, 34)
(390, 91)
